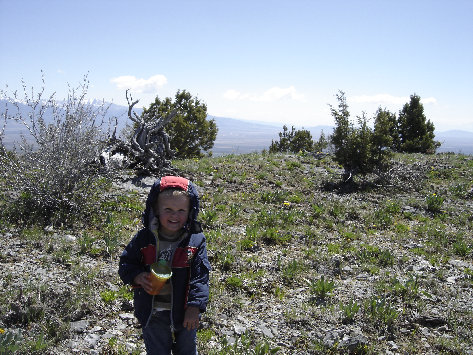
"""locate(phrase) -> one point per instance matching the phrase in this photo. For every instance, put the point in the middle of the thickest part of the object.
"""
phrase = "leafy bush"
(51, 176)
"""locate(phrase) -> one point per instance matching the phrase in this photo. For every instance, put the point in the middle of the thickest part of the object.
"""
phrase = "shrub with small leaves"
(51, 178)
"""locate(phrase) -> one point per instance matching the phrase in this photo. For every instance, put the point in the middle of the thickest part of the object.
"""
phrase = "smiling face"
(172, 210)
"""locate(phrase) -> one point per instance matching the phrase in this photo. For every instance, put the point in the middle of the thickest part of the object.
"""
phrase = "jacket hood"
(166, 182)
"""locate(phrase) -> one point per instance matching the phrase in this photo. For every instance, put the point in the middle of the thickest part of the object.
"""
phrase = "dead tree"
(148, 150)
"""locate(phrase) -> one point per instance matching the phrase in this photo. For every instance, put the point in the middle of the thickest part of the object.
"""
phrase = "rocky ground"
(298, 265)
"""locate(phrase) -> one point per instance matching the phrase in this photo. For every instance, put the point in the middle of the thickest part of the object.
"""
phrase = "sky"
(261, 60)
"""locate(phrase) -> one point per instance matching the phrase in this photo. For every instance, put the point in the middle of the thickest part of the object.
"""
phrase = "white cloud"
(386, 99)
(277, 93)
(428, 100)
(233, 95)
(271, 95)
(379, 99)
(139, 85)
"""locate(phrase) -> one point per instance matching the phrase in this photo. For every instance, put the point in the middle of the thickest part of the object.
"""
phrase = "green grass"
(281, 210)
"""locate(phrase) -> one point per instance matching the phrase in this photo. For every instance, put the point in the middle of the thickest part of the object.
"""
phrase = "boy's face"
(172, 212)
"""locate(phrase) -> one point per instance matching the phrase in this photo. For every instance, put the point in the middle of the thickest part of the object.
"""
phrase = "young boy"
(170, 234)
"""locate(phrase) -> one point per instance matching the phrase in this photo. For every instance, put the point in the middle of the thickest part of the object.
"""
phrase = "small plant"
(251, 233)
(85, 242)
(401, 229)
(382, 219)
(234, 211)
(374, 255)
(295, 198)
(380, 311)
(228, 260)
(234, 282)
(334, 248)
(247, 243)
(264, 348)
(62, 255)
(208, 217)
(9, 342)
(469, 274)
(205, 335)
(111, 234)
(244, 345)
(273, 196)
(407, 290)
(317, 210)
(349, 311)
(108, 296)
(38, 345)
(293, 165)
(385, 258)
(321, 288)
(115, 348)
(460, 247)
(291, 271)
(125, 292)
(434, 203)
(262, 176)
(32, 233)
(279, 293)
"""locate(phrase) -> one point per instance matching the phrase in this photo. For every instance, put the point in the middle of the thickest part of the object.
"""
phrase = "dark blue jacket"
(190, 265)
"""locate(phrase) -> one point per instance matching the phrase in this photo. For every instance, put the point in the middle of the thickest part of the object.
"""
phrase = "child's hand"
(191, 318)
(144, 281)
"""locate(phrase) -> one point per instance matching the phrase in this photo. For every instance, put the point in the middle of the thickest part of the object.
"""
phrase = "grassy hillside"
(301, 264)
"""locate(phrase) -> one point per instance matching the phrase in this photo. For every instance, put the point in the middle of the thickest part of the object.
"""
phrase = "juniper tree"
(358, 149)
(292, 141)
(416, 132)
(191, 134)
(386, 130)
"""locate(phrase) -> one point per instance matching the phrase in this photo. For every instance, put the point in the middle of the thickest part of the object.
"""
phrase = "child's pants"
(159, 340)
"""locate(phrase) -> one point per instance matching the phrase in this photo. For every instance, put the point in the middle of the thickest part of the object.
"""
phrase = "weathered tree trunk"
(148, 151)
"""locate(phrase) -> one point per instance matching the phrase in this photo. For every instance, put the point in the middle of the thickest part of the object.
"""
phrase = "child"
(171, 233)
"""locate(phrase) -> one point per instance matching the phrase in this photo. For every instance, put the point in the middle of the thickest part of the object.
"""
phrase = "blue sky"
(274, 61)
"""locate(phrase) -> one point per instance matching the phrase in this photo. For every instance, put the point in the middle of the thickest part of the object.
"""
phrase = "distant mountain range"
(242, 136)
(237, 136)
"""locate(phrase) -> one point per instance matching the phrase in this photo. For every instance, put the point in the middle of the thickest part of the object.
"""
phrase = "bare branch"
(148, 147)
